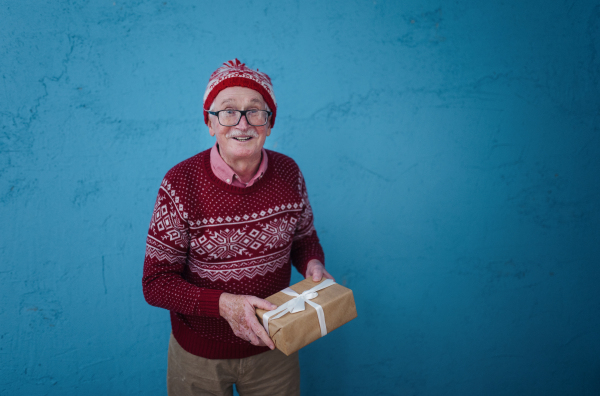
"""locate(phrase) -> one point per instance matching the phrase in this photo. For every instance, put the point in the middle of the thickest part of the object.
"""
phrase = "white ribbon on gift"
(296, 304)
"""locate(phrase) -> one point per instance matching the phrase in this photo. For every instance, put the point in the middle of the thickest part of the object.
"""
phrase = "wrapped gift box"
(293, 331)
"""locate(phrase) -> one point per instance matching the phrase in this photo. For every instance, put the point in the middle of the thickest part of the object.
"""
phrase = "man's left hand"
(316, 270)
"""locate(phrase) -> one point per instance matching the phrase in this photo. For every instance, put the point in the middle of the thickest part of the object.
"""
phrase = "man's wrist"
(223, 302)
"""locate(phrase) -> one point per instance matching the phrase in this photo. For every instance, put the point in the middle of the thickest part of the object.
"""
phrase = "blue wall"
(451, 151)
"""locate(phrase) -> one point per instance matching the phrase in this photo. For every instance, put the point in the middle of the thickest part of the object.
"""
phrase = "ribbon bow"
(297, 304)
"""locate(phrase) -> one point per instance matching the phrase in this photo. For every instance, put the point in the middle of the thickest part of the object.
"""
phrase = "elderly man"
(227, 225)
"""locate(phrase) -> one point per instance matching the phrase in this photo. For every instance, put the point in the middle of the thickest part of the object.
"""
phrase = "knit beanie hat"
(236, 74)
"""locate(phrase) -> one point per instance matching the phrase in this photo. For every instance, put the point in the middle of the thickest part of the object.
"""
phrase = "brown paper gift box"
(296, 330)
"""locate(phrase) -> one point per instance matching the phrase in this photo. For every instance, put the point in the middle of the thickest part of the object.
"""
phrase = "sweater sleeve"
(305, 245)
(166, 254)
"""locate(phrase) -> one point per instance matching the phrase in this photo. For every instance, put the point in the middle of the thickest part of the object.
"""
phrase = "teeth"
(242, 139)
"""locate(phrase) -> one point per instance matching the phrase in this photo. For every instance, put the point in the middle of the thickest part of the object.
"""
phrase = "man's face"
(243, 141)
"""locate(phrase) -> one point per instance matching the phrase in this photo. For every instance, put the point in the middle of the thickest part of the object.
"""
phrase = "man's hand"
(316, 270)
(239, 312)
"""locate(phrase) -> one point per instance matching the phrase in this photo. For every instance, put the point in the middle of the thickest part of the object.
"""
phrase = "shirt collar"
(226, 174)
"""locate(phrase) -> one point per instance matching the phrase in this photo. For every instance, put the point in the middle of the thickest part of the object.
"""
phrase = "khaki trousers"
(268, 373)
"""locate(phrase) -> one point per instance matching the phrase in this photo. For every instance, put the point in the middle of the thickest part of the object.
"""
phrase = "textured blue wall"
(451, 151)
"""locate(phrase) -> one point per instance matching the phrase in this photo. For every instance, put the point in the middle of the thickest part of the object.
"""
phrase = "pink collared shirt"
(226, 174)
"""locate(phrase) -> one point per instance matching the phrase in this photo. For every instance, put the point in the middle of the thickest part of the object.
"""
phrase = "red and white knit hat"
(236, 74)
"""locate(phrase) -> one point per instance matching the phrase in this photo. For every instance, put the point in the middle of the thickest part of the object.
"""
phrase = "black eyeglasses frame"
(242, 114)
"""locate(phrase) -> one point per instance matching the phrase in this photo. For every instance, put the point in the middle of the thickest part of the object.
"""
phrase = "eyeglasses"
(232, 117)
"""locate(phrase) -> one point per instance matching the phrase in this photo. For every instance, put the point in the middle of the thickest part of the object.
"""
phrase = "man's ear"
(269, 131)
(210, 130)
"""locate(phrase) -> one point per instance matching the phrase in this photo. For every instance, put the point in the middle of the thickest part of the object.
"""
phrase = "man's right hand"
(239, 311)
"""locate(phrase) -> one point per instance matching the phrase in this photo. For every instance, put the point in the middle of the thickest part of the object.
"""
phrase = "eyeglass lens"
(232, 117)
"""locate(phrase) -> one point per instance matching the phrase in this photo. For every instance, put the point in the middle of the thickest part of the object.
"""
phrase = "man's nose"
(243, 124)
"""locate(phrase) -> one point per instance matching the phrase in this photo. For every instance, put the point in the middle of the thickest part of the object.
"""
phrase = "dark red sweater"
(207, 237)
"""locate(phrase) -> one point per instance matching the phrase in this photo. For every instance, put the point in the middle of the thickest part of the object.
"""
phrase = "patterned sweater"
(207, 237)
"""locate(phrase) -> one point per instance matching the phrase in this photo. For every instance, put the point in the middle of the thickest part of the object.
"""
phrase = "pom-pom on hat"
(236, 74)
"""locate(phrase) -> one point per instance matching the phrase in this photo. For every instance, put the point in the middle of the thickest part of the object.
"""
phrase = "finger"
(327, 275)
(309, 273)
(317, 273)
(259, 342)
(260, 332)
(253, 339)
(253, 322)
(266, 341)
(261, 303)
